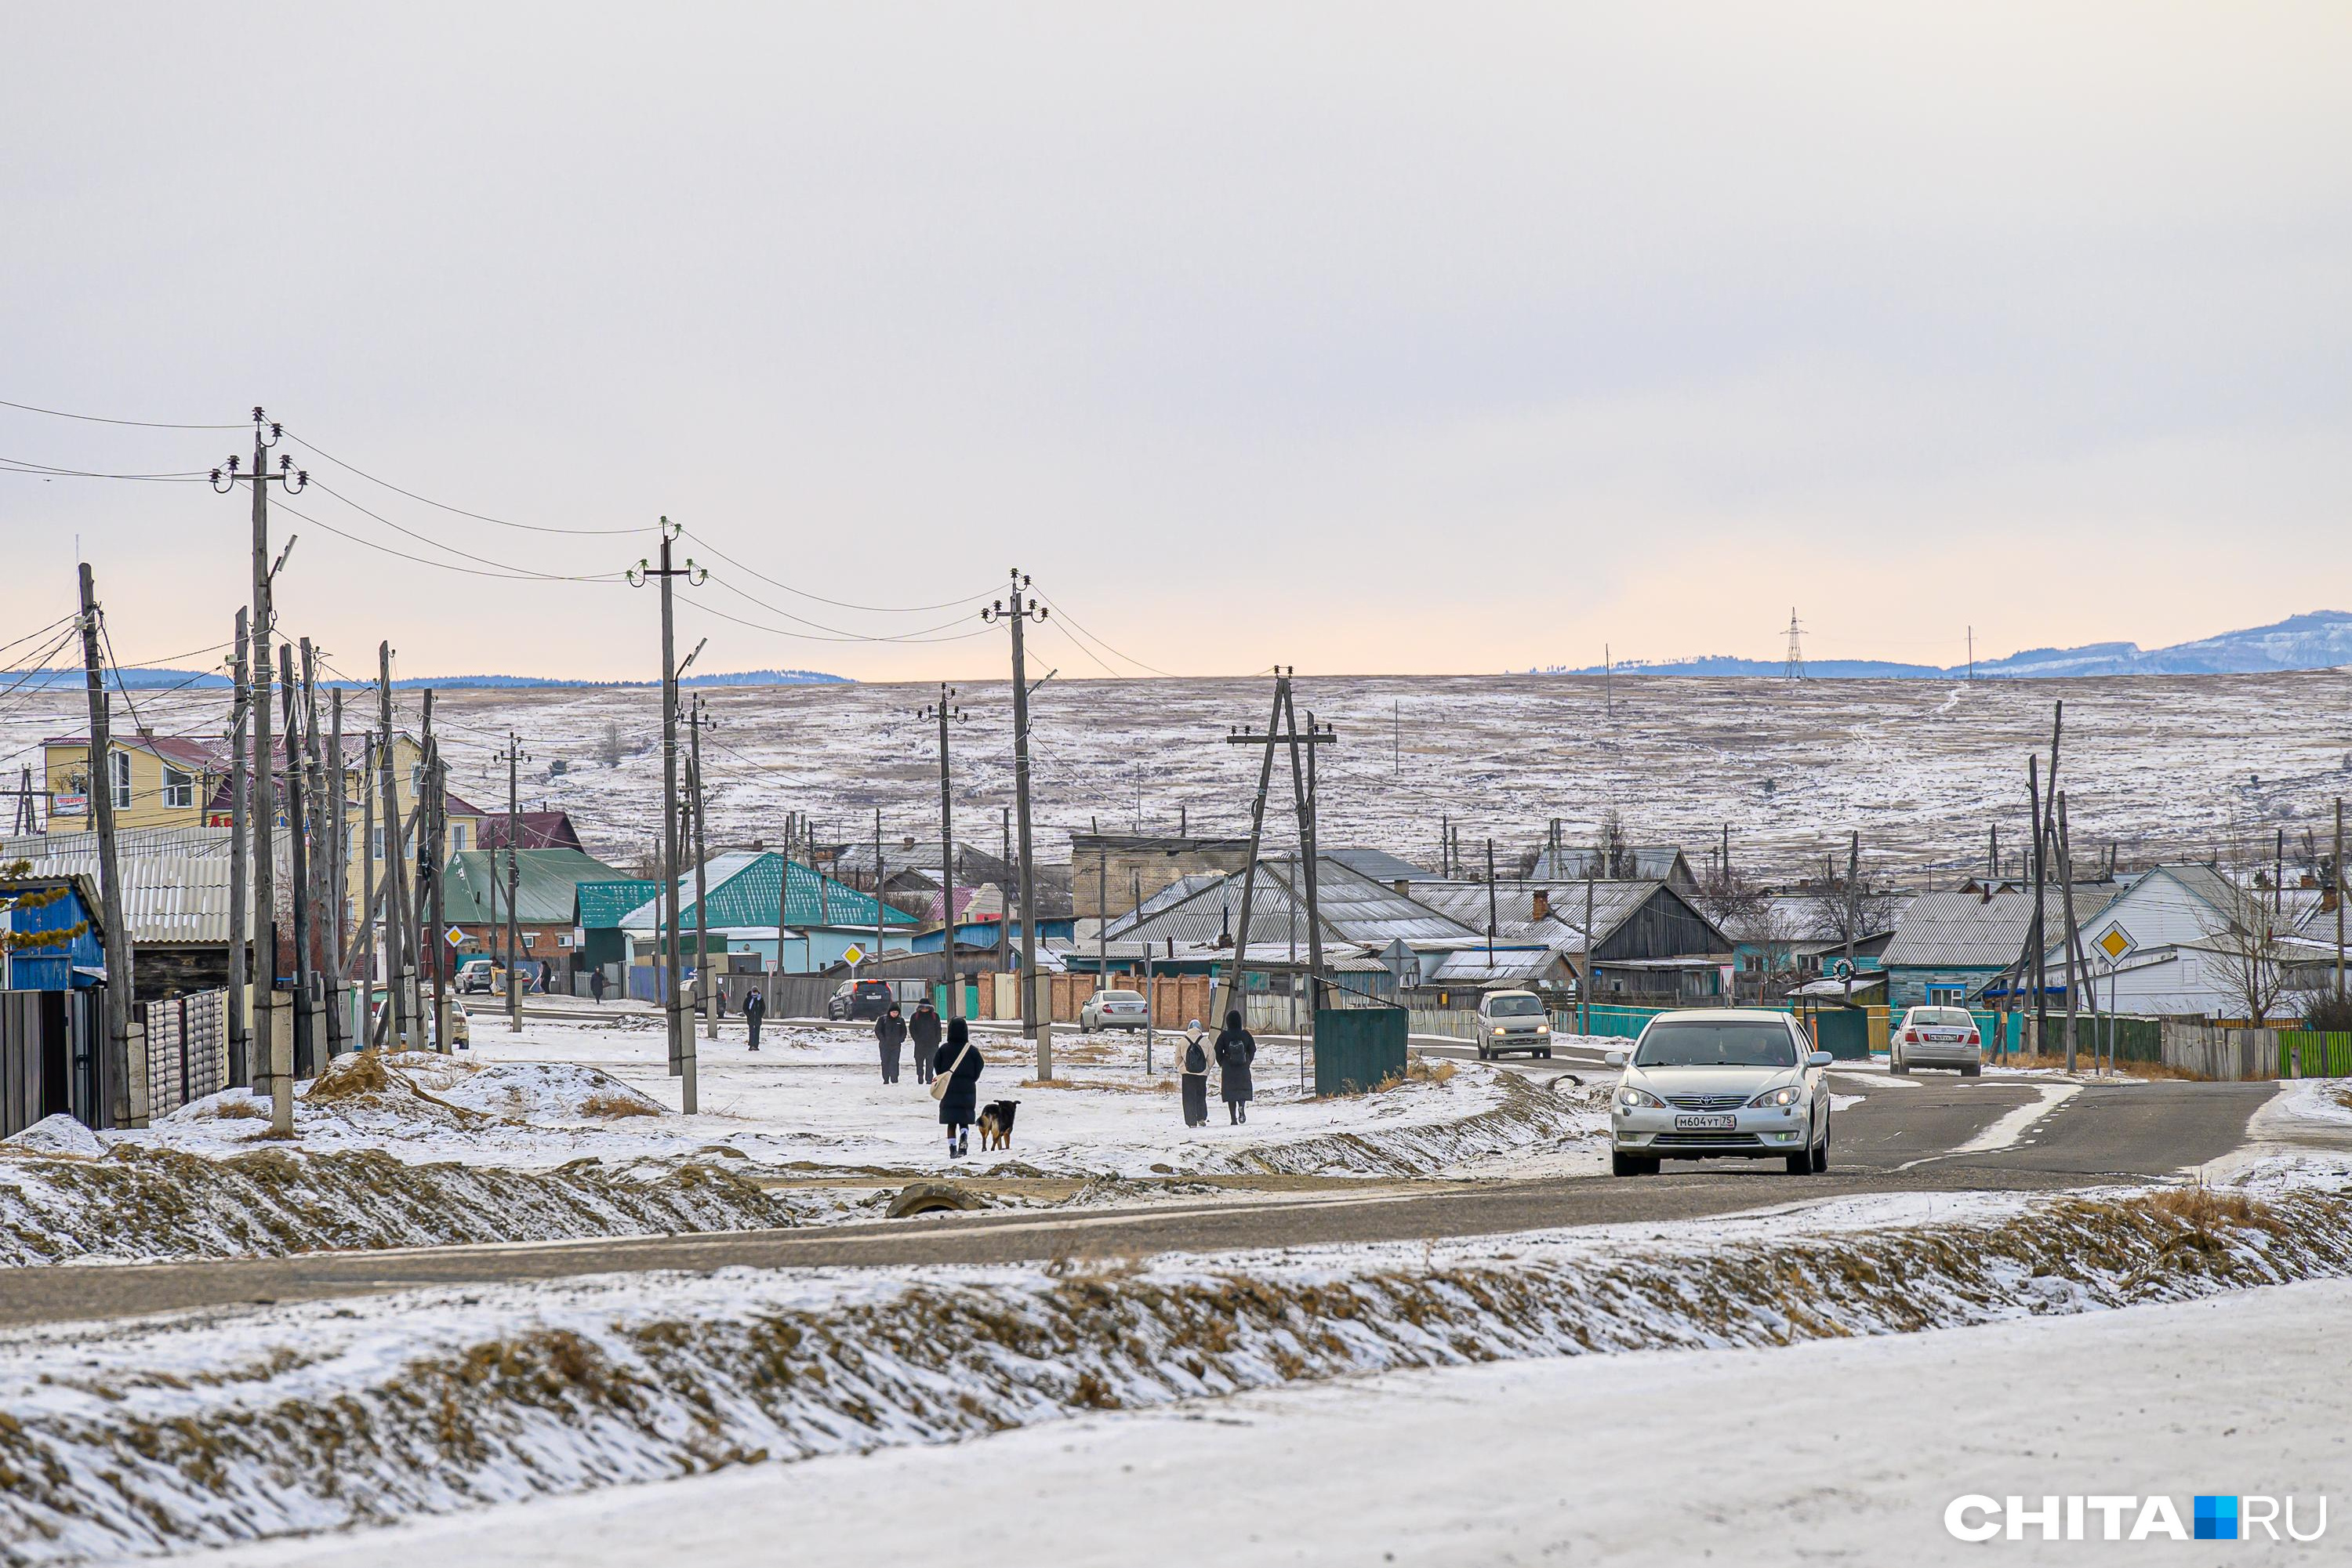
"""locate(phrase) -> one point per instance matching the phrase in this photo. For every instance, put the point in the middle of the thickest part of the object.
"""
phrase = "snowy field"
(1841, 1450)
(2163, 764)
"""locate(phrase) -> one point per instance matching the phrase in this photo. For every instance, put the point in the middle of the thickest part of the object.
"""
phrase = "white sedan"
(1735, 1083)
(1115, 1010)
(1936, 1037)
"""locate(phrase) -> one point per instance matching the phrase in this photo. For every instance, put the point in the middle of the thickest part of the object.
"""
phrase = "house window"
(119, 766)
(375, 844)
(179, 786)
(456, 837)
(530, 939)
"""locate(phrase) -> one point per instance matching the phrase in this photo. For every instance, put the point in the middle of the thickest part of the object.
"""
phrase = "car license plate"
(1703, 1123)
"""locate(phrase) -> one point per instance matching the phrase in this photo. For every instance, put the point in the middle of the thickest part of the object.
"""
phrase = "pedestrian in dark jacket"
(755, 1007)
(923, 1031)
(1236, 1048)
(891, 1031)
(1193, 1075)
(596, 985)
(958, 1061)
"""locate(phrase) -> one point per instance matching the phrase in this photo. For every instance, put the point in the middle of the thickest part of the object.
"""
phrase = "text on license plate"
(1702, 1123)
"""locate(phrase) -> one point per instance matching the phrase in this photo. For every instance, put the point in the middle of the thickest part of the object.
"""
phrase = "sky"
(1369, 339)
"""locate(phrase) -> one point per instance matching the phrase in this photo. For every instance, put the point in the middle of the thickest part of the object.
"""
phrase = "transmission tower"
(1795, 670)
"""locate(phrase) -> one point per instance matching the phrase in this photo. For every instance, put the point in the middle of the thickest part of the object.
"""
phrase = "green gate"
(1357, 1049)
(1843, 1032)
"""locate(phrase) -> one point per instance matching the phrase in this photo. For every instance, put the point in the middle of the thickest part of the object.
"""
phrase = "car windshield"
(1122, 995)
(1513, 1007)
(1733, 1042)
(1941, 1018)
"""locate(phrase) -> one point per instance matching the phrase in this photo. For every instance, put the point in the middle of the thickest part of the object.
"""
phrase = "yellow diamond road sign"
(2116, 945)
(852, 953)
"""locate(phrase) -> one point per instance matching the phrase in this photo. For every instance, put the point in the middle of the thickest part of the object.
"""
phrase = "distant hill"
(2320, 640)
(200, 680)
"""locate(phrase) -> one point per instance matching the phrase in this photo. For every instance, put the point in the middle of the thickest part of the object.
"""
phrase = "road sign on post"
(853, 954)
(454, 937)
(2116, 944)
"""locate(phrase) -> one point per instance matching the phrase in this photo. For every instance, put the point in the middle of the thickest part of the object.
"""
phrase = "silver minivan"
(1513, 1021)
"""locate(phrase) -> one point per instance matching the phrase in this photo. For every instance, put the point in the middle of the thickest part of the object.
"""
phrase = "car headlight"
(1788, 1096)
(1632, 1098)
(1501, 1030)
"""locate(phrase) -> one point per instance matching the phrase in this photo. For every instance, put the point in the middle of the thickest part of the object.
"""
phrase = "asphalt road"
(1927, 1133)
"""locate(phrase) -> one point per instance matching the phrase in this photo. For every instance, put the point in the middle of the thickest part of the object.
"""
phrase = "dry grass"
(1417, 1069)
(615, 1106)
(2205, 1207)
(247, 1109)
(2149, 1071)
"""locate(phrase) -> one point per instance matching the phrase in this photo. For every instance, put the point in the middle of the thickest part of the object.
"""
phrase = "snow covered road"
(1835, 1450)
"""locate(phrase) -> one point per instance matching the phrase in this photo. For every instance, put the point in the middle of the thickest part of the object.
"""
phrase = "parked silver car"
(1513, 1021)
(1735, 1083)
(1114, 1010)
(1936, 1037)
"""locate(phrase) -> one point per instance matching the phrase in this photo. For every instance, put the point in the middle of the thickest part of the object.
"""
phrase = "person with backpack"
(923, 1031)
(1193, 1074)
(957, 1068)
(890, 1033)
(755, 1007)
(1236, 1048)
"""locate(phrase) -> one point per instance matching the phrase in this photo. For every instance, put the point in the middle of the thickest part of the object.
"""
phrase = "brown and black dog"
(996, 1125)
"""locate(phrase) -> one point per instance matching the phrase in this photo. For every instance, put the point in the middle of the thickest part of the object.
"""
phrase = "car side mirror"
(1615, 1059)
(1820, 1060)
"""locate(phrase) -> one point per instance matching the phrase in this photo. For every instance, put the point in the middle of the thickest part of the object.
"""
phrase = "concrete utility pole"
(240, 947)
(1584, 981)
(338, 879)
(706, 986)
(681, 1036)
(298, 869)
(2337, 877)
(314, 994)
(942, 711)
(364, 938)
(877, 884)
(2037, 941)
(1004, 916)
(1032, 1023)
(397, 927)
(513, 759)
(120, 1097)
(265, 757)
(1490, 907)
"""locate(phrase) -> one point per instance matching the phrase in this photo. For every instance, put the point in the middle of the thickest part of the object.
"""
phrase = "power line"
(444, 565)
(304, 441)
(1128, 657)
(101, 419)
(838, 603)
(50, 471)
(807, 637)
(453, 550)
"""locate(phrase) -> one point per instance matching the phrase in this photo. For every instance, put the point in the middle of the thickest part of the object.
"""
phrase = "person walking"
(1193, 1074)
(755, 1007)
(891, 1031)
(958, 1068)
(1236, 1048)
(923, 1030)
(596, 984)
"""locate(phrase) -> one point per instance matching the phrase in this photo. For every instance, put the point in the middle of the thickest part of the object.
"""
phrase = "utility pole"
(1222, 999)
(2038, 940)
(338, 879)
(397, 926)
(878, 878)
(364, 938)
(435, 811)
(298, 871)
(1584, 981)
(1004, 917)
(513, 759)
(314, 995)
(681, 1037)
(1973, 653)
(706, 987)
(2337, 876)
(121, 1086)
(265, 757)
(1852, 907)
(942, 711)
(240, 1039)
(1019, 615)
(2066, 902)
(1490, 907)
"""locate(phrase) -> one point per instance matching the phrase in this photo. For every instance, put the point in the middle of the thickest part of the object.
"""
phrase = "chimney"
(1404, 888)
(1542, 904)
(146, 732)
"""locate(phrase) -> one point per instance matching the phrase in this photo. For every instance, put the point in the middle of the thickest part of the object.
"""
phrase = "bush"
(2328, 1012)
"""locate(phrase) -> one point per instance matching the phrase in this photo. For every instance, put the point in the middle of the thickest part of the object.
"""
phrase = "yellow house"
(182, 781)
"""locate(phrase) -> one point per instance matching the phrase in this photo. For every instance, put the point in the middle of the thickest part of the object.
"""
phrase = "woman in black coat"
(923, 1029)
(890, 1033)
(1236, 1048)
(959, 1106)
(1192, 1072)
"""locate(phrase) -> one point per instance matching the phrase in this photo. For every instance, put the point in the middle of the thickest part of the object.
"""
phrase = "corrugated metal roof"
(604, 904)
(1379, 865)
(1651, 863)
(1353, 906)
(1946, 931)
(742, 888)
(1174, 893)
(175, 879)
(1563, 928)
(546, 884)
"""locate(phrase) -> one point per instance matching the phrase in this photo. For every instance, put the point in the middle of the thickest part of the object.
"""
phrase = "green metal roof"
(741, 890)
(603, 904)
(546, 884)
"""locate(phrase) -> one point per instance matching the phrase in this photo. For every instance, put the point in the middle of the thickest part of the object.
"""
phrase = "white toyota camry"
(1734, 1083)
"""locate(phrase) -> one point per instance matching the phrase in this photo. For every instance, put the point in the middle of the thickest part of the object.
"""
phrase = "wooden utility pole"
(1490, 907)
(1852, 907)
(434, 827)
(878, 883)
(706, 985)
(298, 875)
(945, 707)
(338, 878)
(314, 996)
(240, 916)
(2066, 904)
(364, 938)
(514, 880)
(681, 1035)
(120, 1097)
(1230, 982)
(1019, 615)
(397, 926)
(1584, 981)
(2337, 877)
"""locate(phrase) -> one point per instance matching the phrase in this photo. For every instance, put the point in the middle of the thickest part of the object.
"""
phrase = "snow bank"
(58, 1134)
(150, 1436)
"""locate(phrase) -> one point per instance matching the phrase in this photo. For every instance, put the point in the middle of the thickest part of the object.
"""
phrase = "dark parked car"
(860, 999)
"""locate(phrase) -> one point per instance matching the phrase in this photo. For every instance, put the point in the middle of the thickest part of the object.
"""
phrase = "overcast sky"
(1449, 338)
